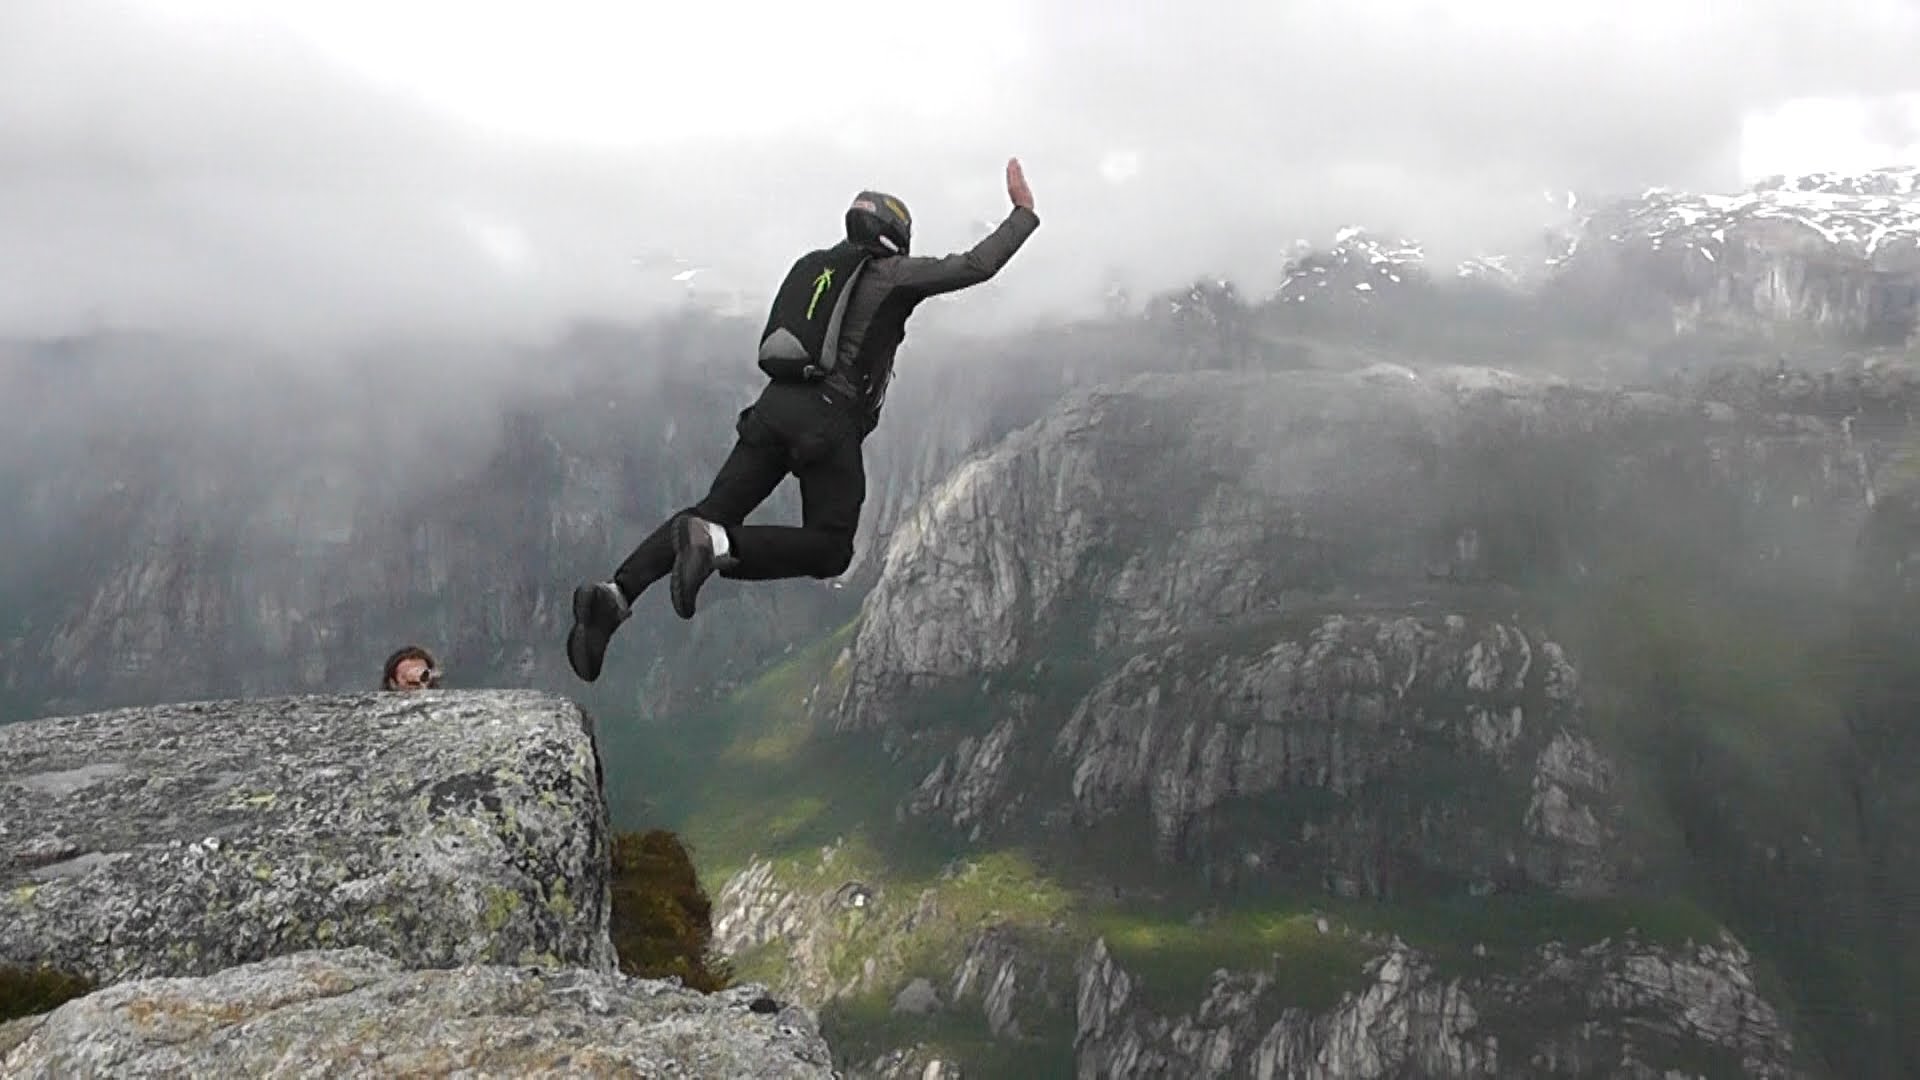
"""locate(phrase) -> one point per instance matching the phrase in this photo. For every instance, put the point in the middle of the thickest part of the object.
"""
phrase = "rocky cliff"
(1203, 646)
(1348, 623)
(355, 1011)
(287, 539)
(1612, 1008)
(460, 511)
(1438, 748)
(1198, 502)
(1805, 260)
(395, 884)
(438, 829)
(1835, 253)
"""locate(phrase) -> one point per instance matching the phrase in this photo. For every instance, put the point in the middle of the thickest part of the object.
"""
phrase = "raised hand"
(1017, 188)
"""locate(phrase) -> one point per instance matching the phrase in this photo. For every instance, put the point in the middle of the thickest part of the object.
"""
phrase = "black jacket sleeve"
(924, 276)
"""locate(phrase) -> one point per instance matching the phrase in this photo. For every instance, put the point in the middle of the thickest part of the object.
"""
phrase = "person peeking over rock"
(410, 668)
(827, 351)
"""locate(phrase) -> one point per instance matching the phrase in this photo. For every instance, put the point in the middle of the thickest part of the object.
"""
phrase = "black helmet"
(876, 220)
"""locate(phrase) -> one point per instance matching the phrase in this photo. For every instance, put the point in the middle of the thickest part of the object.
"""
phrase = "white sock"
(719, 535)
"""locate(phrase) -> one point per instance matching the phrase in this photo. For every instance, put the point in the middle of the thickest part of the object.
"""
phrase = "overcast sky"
(315, 168)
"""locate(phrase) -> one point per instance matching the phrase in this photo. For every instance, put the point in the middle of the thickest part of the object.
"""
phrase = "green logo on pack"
(819, 288)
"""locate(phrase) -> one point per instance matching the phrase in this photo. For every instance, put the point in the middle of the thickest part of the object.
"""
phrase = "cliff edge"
(393, 883)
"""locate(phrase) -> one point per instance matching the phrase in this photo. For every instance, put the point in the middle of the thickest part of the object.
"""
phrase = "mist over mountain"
(1410, 572)
(1349, 620)
(298, 172)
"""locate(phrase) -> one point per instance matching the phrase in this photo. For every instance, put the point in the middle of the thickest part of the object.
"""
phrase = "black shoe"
(598, 610)
(693, 562)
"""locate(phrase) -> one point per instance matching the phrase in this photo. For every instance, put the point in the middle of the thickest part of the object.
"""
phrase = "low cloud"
(228, 177)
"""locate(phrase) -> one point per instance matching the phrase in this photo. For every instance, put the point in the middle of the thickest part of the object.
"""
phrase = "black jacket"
(887, 292)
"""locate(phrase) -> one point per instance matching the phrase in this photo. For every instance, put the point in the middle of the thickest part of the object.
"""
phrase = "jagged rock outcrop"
(925, 950)
(998, 550)
(1435, 748)
(969, 787)
(1450, 749)
(811, 913)
(356, 1012)
(1007, 979)
(755, 908)
(1358, 267)
(1615, 1008)
(1289, 573)
(1361, 709)
(1171, 505)
(438, 828)
(1312, 628)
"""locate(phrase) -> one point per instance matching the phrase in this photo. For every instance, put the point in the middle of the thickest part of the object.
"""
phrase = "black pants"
(795, 430)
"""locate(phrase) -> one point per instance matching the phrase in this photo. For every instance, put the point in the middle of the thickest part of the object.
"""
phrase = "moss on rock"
(30, 991)
(662, 919)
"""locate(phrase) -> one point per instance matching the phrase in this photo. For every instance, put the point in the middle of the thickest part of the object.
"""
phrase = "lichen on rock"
(438, 828)
(354, 1012)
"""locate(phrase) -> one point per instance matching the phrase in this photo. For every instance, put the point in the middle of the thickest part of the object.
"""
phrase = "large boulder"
(352, 1012)
(439, 829)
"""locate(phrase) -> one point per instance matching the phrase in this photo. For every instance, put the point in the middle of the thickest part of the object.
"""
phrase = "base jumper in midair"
(828, 351)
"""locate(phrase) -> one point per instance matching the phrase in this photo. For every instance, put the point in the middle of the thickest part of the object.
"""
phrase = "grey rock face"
(1445, 743)
(1178, 501)
(967, 785)
(1011, 973)
(1833, 251)
(1170, 505)
(1611, 1009)
(353, 1012)
(1007, 979)
(1305, 623)
(753, 909)
(756, 907)
(440, 829)
(1335, 520)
